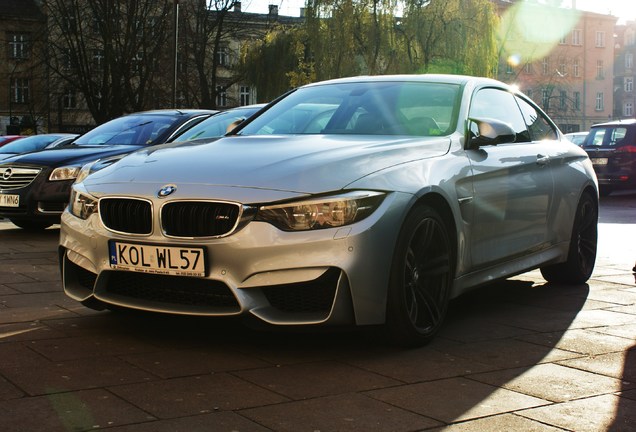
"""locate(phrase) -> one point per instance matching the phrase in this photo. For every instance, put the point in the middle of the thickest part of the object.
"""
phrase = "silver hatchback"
(358, 201)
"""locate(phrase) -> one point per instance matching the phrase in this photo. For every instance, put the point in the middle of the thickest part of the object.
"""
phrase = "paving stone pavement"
(515, 355)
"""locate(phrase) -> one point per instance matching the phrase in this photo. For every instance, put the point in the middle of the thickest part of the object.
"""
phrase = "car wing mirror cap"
(488, 131)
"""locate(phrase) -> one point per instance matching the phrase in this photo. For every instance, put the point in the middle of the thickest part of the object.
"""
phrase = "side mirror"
(488, 131)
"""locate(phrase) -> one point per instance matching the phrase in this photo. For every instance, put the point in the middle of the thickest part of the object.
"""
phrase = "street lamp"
(176, 53)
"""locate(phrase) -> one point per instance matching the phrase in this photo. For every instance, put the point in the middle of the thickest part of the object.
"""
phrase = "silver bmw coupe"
(357, 201)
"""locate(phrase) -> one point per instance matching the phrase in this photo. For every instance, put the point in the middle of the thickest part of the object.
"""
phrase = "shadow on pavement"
(497, 354)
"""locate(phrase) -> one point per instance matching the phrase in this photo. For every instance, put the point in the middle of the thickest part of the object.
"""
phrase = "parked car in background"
(35, 143)
(217, 125)
(211, 128)
(6, 139)
(576, 137)
(35, 187)
(612, 148)
(366, 201)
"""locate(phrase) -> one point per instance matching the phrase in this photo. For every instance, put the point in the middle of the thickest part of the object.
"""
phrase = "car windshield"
(605, 136)
(128, 130)
(216, 125)
(366, 108)
(29, 144)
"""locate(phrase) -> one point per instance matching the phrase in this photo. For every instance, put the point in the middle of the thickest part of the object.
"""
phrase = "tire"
(421, 279)
(582, 251)
(30, 225)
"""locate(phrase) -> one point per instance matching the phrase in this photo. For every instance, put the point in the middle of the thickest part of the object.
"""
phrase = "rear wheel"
(582, 252)
(31, 225)
(421, 278)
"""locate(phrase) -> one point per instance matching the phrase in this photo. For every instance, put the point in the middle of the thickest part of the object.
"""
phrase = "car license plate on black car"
(166, 260)
(599, 161)
(9, 200)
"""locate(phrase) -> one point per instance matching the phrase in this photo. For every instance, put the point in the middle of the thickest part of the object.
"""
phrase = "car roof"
(441, 78)
(627, 122)
(172, 112)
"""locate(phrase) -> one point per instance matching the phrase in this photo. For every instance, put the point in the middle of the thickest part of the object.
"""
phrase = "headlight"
(84, 172)
(82, 205)
(321, 212)
(64, 173)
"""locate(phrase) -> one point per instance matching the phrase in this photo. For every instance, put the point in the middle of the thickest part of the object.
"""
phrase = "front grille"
(126, 215)
(16, 178)
(313, 296)
(172, 290)
(199, 218)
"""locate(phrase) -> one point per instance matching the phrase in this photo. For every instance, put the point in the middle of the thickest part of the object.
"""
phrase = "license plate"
(166, 260)
(599, 161)
(9, 200)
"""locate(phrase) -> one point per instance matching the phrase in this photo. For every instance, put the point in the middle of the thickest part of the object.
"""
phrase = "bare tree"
(209, 28)
(112, 52)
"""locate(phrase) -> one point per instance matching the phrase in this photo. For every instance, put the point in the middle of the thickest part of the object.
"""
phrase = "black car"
(612, 148)
(34, 143)
(35, 187)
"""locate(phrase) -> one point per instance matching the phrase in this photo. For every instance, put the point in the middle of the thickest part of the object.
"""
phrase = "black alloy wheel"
(421, 279)
(582, 251)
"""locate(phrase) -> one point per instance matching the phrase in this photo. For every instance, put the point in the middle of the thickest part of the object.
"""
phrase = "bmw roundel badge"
(166, 190)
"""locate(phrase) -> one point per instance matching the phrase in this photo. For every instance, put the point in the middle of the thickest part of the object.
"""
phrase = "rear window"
(606, 137)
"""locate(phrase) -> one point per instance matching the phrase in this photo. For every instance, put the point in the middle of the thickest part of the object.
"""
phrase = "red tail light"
(626, 149)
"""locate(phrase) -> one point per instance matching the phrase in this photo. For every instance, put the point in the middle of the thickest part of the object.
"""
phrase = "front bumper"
(41, 200)
(331, 276)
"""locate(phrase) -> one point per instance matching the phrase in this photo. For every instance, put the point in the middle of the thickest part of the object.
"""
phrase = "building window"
(528, 66)
(577, 101)
(18, 46)
(20, 90)
(69, 100)
(221, 96)
(137, 63)
(244, 95)
(576, 37)
(181, 98)
(600, 39)
(563, 100)
(98, 59)
(600, 73)
(223, 56)
(628, 109)
(576, 69)
(69, 23)
(629, 60)
(600, 103)
(509, 68)
(545, 66)
(563, 40)
(563, 69)
(545, 99)
(629, 84)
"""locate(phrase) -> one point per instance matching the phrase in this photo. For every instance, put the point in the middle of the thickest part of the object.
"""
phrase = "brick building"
(562, 58)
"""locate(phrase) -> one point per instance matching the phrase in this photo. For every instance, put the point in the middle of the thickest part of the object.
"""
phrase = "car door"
(512, 183)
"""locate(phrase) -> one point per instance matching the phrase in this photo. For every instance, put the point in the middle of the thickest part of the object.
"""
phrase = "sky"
(623, 9)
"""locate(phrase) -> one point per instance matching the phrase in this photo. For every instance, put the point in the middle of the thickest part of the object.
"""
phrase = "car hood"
(70, 155)
(302, 164)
